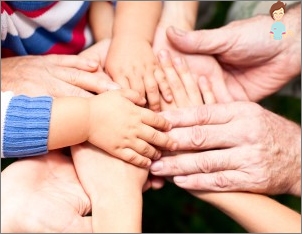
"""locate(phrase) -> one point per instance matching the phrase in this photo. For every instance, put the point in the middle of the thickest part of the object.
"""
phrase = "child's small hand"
(183, 84)
(125, 130)
(132, 64)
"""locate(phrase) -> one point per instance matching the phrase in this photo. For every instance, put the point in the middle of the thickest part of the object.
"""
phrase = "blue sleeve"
(26, 126)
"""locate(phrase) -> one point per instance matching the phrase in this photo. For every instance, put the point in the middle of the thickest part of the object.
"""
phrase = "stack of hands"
(215, 137)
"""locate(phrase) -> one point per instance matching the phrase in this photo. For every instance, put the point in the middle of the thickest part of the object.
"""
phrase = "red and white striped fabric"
(44, 27)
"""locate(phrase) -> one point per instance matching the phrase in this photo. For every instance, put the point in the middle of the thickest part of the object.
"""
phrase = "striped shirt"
(44, 27)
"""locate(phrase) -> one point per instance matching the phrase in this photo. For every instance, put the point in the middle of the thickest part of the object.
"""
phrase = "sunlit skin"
(278, 14)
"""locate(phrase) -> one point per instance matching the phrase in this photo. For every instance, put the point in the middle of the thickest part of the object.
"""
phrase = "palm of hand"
(51, 196)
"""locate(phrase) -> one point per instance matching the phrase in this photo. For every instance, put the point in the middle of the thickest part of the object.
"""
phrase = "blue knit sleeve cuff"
(26, 126)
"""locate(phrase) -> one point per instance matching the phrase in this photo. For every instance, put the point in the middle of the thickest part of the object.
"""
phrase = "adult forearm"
(181, 14)
(295, 153)
(256, 213)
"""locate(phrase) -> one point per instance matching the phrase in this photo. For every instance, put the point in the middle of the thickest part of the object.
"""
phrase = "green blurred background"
(174, 210)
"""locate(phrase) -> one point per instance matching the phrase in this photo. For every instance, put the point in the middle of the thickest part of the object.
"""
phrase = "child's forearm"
(114, 188)
(254, 212)
(181, 14)
(117, 202)
(120, 212)
(101, 17)
(137, 19)
(69, 122)
(34, 125)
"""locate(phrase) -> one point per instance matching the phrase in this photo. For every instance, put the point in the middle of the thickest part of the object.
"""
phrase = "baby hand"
(132, 64)
(125, 130)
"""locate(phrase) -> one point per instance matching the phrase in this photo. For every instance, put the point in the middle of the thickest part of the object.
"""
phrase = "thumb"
(212, 41)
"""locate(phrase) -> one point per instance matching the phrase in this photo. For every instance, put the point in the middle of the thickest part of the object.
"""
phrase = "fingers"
(82, 79)
(152, 92)
(73, 61)
(206, 91)
(130, 156)
(157, 138)
(126, 154)
(156, 182)
(62, 89)
(218, 181)
(106, 82)
(174, 82)
(145, 149)
(155, 120)
(213, 41)
(136, 82)
(201, 115)
(187, 163)
(121, 80)
(97, 51)
(188, 81)
(184, 88)
(163, 84)
(133, 96)
(205, 137)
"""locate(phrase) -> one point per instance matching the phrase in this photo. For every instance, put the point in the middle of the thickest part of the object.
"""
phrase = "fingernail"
(149, 163)
(158, 155)
(178, 32)
(157, 166)
(169, 98)
(177, 61)
(92, 63)
(174, 146)
(180, 179)
(163, 54)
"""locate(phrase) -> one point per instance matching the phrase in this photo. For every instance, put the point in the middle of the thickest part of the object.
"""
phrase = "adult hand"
(253, 65)
(54, 75)
(98, 52)
(43, 194)
(183, 83)
(185, 92)
(200, 66)
(242, 147)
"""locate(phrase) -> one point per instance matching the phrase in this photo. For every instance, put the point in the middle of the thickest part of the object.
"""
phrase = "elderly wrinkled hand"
(241, 147)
